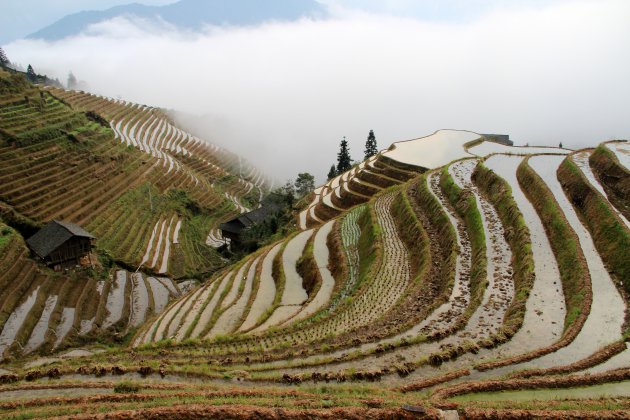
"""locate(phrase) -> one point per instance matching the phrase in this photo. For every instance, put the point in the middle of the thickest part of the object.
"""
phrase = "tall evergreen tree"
(344, 161)
(332, 172)
(4, 60)
(370, 145)
(30, 74)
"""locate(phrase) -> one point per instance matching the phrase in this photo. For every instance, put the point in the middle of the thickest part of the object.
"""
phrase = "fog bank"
(284, 94)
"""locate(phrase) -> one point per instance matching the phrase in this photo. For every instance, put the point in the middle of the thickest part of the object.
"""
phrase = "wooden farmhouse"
(61, 244)
(232, 229)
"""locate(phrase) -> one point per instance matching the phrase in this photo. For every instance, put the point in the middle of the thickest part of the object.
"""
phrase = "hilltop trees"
(30, 74)
(4, 60)
(344, 161)
(370, 145)
(304, 184)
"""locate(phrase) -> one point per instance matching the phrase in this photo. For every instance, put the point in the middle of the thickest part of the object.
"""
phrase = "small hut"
(232, 229)
(61, 243)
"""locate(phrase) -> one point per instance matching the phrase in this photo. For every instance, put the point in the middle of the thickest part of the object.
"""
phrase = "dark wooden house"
(232, 229)
(61, 243)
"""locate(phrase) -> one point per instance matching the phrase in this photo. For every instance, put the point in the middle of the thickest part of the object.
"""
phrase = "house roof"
(257, 216)
(233, 226)
(53, 235)
(246, 220)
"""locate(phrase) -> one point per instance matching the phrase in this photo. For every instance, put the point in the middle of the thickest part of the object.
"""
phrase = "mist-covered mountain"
(189, 14)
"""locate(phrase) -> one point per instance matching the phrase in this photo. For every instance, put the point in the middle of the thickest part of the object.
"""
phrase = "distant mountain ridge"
(189, 14)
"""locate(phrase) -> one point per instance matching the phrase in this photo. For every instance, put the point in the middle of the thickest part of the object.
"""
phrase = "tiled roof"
(53, 235)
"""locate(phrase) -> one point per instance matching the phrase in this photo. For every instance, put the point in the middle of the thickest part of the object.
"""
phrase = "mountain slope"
(433, 276)
(485, 268)
(188, 14)
(147, 190)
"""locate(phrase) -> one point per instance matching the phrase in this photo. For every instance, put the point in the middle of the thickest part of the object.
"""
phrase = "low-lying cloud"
(284, 94)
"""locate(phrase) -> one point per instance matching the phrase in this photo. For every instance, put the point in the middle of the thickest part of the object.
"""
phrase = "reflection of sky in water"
(432, 151)
(487, 148)
(544, 317)
(603, 325)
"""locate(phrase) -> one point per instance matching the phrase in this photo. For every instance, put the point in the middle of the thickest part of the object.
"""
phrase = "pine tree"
(332, 172)
(30, 74)
(370, 145)
(344, 161)
(4, 60)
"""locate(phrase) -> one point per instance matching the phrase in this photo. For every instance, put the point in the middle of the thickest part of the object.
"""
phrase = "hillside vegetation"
(151, 203)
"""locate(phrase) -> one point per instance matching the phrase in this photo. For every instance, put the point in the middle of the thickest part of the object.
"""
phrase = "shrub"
(126, 388)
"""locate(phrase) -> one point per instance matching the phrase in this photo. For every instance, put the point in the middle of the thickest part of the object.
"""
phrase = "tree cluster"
(31, 75)
(304, 184)
(344, 161)
(35, 78)
(4, 60)
(281, 219)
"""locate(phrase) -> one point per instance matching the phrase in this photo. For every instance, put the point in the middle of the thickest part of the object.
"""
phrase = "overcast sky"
(284, 94)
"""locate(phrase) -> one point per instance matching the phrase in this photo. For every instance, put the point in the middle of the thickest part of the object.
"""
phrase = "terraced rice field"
(447, 276)
(400, 163)
(120, 169)
(335, 302)
(220, 182)
(43, 311)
